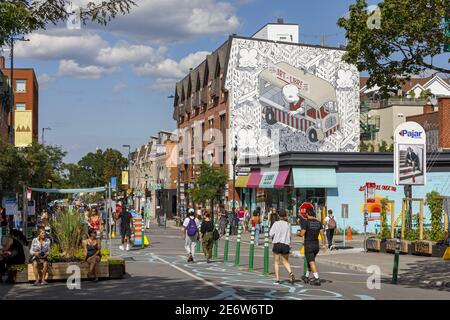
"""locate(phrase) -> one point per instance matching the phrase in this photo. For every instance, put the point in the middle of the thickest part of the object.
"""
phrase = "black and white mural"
(286, 97)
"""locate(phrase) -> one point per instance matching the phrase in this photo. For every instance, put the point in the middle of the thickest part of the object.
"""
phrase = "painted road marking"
(201, 279)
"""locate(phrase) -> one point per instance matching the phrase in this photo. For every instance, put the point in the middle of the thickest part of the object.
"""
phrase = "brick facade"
(444, 122)
(31, 95)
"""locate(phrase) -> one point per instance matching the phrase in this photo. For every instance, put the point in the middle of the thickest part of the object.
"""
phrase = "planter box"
(373, 244)
(383, 246)
(58, 270)
(116, 268)
(20, 276)
(405, 246)
(423, 248)
(438, 250)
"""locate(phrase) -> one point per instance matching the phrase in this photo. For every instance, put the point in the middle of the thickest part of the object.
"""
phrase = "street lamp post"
(11, 81)
(128, 169)
(235, 156)
(43, 130)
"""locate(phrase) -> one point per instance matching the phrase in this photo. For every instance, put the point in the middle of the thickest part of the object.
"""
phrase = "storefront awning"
(314, 178)
(268, 179)
(281, 179)
(242, 181)
(255, 178)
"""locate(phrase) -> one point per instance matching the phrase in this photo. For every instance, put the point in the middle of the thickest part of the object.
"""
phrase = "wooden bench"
(59, 270)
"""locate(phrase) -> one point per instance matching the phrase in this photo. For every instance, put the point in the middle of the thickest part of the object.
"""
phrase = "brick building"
(436, 122)
(26, 104)
(4, 107)
(263, 95)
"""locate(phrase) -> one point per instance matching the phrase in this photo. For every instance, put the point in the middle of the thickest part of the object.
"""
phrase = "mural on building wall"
(23, 128)
(287, 97)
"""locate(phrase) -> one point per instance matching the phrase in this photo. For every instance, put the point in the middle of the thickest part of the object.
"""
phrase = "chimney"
(2, 62)
(444, 122)
(428, 108)
(280, 21)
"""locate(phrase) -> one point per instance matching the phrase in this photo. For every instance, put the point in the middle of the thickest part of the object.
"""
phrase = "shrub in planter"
(435, 204)
(68, 231)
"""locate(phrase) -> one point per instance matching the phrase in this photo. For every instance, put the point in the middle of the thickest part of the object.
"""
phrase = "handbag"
(216, 235)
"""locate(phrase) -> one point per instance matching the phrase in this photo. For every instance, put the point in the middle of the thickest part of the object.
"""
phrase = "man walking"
(310, 230)
(125, 228)
(330, 226)
(190, 228)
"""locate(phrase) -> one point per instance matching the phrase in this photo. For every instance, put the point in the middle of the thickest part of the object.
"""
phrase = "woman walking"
(207, 231)
(281, 239)
(256, 222)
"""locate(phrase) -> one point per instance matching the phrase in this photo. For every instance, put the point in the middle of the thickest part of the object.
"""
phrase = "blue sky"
(109, 86)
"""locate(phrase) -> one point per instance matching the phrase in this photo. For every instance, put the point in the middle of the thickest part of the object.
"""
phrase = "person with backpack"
(256, 222)
(207, 231)
(190, 227)
(330, 226)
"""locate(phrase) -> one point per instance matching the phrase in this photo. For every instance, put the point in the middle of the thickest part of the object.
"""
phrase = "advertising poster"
(410, 154)
(31, 208)
(23, 128)
(10, 205)
(124, 177)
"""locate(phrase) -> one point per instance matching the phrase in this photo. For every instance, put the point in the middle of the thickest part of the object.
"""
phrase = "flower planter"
(21, 275)
(373, 244)
(423, 248)
(59, 270)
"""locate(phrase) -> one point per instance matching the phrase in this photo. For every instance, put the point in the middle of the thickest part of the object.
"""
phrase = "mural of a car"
(299, 100)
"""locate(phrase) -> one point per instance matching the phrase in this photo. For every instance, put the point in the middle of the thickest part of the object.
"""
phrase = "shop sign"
(381, 187)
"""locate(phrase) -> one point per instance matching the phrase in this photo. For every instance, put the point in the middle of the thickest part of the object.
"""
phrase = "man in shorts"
(125, 228)
(310, 230)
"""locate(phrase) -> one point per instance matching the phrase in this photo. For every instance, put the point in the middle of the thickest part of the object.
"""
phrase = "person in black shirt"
(207, 229)
(310, 230)
(125, 228)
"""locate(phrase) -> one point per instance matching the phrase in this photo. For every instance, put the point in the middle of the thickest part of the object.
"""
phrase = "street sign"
(10, 205)
(113, 183)
(303, 207)
(344, 207)
(370, 195)
(29, 195)
(31, 208)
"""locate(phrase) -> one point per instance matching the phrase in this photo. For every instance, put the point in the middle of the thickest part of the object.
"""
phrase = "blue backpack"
(192, 228)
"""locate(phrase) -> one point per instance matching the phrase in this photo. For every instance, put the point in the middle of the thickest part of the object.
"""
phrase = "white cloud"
(173, 20)
(119, 87)
(73, 69)
(123, 53)
(164, 84)
(55, 47)
(169, 68)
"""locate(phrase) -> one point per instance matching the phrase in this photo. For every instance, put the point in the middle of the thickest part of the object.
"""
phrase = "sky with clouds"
(105, 86)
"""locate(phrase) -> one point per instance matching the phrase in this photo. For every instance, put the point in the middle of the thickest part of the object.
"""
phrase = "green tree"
(19, 17)
(405, 35)
(385, 232)
(385, 147)
(95, 169)
(425, 94)
(435, 204)
(210, 185)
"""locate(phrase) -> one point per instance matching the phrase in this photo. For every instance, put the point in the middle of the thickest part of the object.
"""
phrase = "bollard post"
(216, 244)
(197, 245)
(305, 265)
(143, 235)
(238, 247)
(396, 260)
(252, 250)
(225, 250)
(266, 252)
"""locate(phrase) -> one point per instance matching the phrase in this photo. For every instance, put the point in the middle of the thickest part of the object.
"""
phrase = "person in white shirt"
(330, 226)
(281, 239)
(190, 228)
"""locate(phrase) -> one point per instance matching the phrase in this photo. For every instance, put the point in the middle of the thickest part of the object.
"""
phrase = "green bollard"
(266, 252)
(252, 250)
(227, 240)
(216, 245)
(197, 246)
(238, 247)
(143, 236)
(305, 266)
(396, 260)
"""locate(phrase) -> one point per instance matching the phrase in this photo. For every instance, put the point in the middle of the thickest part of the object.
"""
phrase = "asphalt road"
(161, 271)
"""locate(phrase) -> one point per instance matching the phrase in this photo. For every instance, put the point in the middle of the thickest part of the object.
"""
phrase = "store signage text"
(411, 134)
(380, 187)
